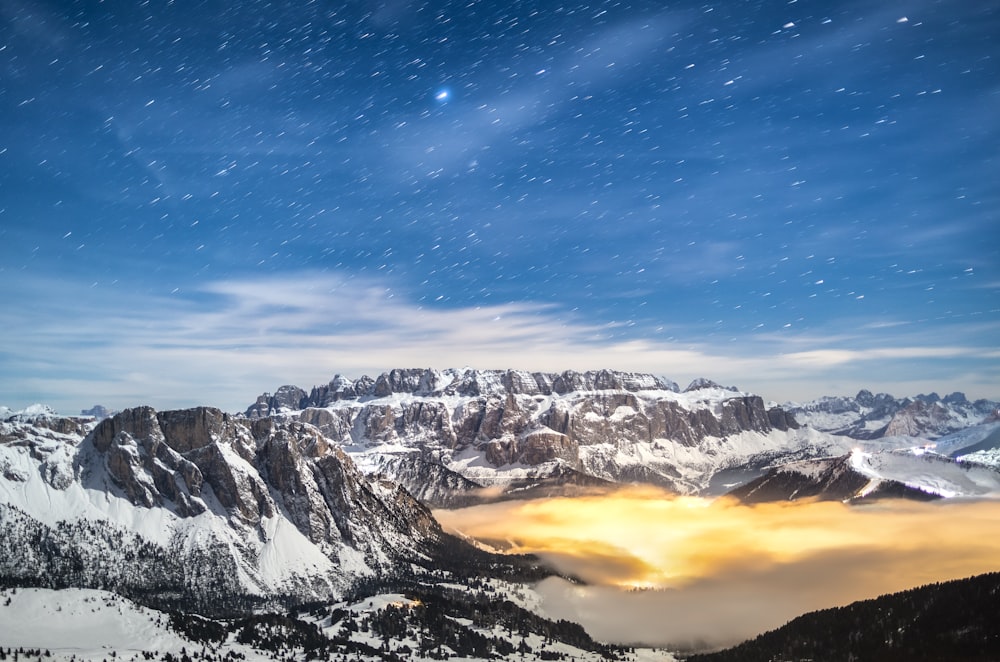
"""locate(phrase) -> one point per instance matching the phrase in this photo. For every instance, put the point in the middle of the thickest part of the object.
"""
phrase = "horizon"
(682, 385)
(792, 198)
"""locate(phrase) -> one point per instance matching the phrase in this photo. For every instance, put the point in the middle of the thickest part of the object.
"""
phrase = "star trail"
(199, 200)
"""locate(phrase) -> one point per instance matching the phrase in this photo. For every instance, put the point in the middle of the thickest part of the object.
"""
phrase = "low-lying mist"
(687, 572)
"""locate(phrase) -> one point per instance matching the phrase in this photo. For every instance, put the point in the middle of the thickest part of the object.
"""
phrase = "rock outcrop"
(281, 511)
(593, 422)
(468, 383)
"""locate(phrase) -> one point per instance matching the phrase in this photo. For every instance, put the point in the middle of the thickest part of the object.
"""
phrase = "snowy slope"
(86, 624)
(977, 437)
(197, 508)
(928, 472)
(908, 472)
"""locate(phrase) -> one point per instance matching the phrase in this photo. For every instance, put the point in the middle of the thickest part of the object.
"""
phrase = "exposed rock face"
(58, 426)
(230, 488)
(430, 481)
(468, 383)
(541, 446)
(286, 398)
(168, 456)
(191, 429)
(917, 417)
(504, 424)
(781, 419)
(591, 422)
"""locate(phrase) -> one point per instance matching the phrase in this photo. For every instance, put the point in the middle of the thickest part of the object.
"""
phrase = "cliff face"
(226, 509)
(464, 383)
(495, 426)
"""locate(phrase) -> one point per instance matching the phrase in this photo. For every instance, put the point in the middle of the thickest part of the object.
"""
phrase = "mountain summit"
(525, 431)
(200, 508)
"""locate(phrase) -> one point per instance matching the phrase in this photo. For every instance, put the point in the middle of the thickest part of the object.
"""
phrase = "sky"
(201, 201)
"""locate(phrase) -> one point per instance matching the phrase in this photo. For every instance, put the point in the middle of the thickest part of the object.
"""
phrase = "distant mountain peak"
(98, 412)
(702, 383)
(874, 416)
(28, 413)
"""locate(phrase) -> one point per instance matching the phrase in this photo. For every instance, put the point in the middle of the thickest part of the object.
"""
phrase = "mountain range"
(449, 436)
(323, 497)
(876, 416)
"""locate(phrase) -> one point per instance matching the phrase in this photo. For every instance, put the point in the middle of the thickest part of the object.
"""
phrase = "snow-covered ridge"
(29, 412)
(517, 430)
(873, 416)
(212, 510)
(913, 472)
(449, 435)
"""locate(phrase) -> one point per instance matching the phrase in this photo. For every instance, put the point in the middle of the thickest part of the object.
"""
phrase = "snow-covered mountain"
(300, 499)
(873, 416)
(451, 436)
(913, 473)
(453, 432)
(198, 508)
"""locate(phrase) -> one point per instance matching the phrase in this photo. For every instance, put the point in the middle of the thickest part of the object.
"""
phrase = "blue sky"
(201, 202)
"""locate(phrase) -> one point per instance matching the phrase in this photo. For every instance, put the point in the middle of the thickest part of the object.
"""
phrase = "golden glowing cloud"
(725, 570)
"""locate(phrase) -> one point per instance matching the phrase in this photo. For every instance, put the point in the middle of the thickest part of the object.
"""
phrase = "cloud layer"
(718, 572)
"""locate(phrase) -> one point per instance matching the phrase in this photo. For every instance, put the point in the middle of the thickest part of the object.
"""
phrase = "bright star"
(443, 94)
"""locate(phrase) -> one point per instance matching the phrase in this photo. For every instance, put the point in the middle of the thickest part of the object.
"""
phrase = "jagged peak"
(866, 398)
(98, 411)
(452, 381)
(955, 398)
(30, 412)
(702, 383)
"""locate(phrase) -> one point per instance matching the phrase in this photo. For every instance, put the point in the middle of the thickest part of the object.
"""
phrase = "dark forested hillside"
(955, 620)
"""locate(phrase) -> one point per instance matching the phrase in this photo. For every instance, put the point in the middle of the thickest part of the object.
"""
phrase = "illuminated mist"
(716, 572)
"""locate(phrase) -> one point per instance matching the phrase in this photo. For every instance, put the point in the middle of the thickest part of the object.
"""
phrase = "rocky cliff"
(200, 507)
(502, 427)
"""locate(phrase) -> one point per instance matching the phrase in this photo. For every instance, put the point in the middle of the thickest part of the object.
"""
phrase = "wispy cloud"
(831, 357)
(231, 339)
